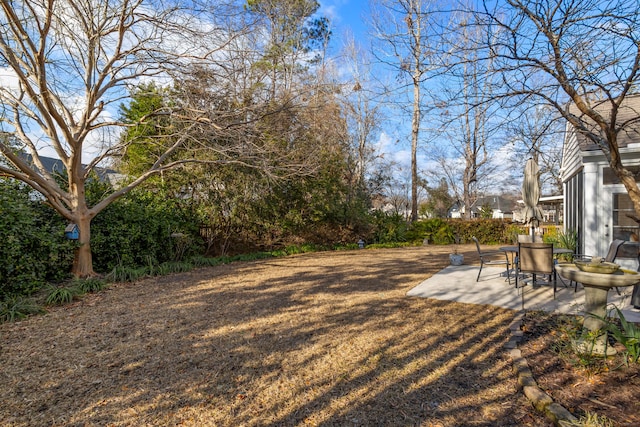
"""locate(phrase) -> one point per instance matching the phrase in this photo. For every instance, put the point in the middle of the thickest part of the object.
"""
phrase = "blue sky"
(345, 15)
(352, 16)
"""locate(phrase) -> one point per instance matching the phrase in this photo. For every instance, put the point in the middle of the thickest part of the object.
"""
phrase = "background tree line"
(238, 113)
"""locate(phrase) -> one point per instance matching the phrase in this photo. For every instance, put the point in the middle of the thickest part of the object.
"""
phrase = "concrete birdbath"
(596, 287)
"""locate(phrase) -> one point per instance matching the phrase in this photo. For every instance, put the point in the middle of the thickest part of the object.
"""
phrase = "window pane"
(624, 227)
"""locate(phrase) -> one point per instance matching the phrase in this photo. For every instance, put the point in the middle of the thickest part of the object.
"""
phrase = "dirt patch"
(326, 339)
(585, 386)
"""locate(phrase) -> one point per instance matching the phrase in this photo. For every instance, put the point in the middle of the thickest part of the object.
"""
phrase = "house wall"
(595, 227)
(571, 173)
(571, 158)
(588, 198)
(498, 214)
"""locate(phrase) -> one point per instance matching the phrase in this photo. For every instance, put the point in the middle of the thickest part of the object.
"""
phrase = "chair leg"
(506, 256)
(478, 278)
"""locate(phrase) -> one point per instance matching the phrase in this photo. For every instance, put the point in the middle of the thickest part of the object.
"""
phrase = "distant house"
(502, 208)
(456, 211)
(55, 166)
(596, 204)
(551, 207)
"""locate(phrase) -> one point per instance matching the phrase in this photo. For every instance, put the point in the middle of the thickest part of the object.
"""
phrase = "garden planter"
(456, 259)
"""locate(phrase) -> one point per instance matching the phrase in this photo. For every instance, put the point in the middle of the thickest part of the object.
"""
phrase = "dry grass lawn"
(323, 339)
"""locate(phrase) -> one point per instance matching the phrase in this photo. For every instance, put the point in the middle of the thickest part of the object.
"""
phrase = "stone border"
(559, 415)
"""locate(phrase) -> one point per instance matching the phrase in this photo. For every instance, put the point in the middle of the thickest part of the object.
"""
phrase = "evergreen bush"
(448, 231)
(34, 250)
(16, 307)
(142, 229)
(388, 228)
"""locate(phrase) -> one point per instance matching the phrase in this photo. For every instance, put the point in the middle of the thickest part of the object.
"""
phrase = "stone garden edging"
(540, 400)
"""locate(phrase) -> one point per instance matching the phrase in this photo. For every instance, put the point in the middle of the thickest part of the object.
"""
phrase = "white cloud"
(8, 79)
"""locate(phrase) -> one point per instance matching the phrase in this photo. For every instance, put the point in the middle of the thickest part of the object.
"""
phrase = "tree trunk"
(466, 200)
(83, 261)
(415, 132)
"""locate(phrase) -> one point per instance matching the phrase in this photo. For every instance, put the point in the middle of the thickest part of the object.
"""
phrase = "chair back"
(536, 258)
(614, 247)
(528, 238)
(477, 243)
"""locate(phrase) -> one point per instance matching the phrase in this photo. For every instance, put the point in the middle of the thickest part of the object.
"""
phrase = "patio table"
(596, 287)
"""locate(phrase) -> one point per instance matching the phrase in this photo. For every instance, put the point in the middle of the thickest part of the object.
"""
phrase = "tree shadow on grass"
(317, 339)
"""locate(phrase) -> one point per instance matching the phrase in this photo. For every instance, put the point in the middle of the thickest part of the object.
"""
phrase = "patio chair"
(528, 238)
(534, 259)
(612, 254)
(489, 258)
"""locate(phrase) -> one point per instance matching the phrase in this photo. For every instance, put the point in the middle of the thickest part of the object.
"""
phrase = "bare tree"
(538, 133)
(398, 194)
(68, 64)
(469, 110)
(581, 57)
(407, 32)
(361, 110)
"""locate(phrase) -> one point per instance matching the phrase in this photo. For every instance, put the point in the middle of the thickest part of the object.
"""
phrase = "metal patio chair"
(535, 259)
(489, 258)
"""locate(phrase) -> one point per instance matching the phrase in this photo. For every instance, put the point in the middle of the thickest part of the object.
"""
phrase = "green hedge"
(387, 228)
(142, 229)
(139, 229)
(448, 231)
(34, 250)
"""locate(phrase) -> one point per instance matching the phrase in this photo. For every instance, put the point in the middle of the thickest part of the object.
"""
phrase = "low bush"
(624, 332)
(59, 295)
(388, 228)
(448, 231)
(91, 284)
(434, 231)
(121, 273)
(16, 307)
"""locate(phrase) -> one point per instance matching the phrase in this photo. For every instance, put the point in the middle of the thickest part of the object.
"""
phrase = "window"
(624, 225)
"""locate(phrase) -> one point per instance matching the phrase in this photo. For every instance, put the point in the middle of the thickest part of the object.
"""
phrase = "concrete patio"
(458, 283)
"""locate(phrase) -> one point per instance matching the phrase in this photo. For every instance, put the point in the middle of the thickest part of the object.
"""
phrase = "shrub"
(59, 295)
(34, 250)
(388, 228)
(16, 307)
(140, 230)
(626, 333)
(91, 284)
(488, 231)
(121, 273)
(174, 267)
(560, 239)
(436, 231)
(447, 231)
